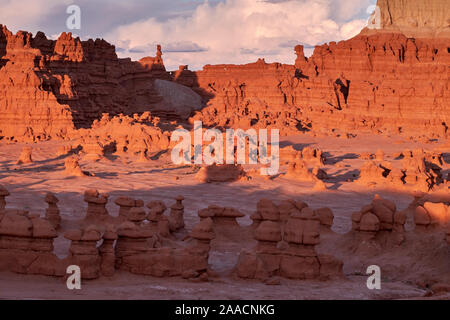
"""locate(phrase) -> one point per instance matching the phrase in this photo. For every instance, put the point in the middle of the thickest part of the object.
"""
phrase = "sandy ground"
(405, 267)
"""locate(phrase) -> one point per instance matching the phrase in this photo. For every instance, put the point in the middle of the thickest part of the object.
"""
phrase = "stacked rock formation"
(419, 170)
(378, 219)
(72, 167)
(25, 156)
(96, 210)
(326, 218)
(93, 150)
(107, 253)
(176, 217)
(430, 215)
(158, 221)
(52, 212)
(134, 254)
(26, 244)
(221, 216)
(287, 249)
(83, 251)
(3, 194)
(126, 204)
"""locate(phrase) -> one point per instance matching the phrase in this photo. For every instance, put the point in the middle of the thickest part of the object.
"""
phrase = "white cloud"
(240, 31)
(195, 33)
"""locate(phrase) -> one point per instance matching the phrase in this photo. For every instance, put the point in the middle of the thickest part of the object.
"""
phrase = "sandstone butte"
(394, 80)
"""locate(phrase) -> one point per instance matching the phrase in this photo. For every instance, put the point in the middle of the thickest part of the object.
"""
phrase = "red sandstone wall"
(384, 83)
(50, 87)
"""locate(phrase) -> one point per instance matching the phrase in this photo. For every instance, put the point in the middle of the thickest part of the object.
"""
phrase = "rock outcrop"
(221, 173)
(286, 248)
(25, 156)
(370, 83)
(49, 88)
(3, 194)
(379, 221)
(52, 212)
(26, 244)
(414, 18)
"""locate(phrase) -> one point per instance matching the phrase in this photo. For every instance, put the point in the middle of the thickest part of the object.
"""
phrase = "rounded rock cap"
(3, 191)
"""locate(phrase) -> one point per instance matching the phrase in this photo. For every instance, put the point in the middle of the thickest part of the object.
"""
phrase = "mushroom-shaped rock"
(203, 230)
(43, 229)
(52, 212)
(176, 218)
(130, 230)
(25, 156)
(3, 193)
(51, 198)
(72, 167)
(268, 231)
(438, 211)
(369, 222)
(74, 235)
(92, 195)
(157, 209)
(16, 225)
(303, 228)
(137, 214)
(421, 217)
(326, 216)
(125, 202)
(268, 210)
(285, 207)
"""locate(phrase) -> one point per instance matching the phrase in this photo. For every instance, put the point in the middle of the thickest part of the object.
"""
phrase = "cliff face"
(48, 88)
(415, 18)
(381, 81)
(384, 83)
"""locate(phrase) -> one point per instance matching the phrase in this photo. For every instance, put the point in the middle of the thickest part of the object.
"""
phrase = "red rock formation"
(25, 156)
(83, 251)
(3, 194)
(124, 134)
(430, 215)
(287, 249)
(379, 221)
(220, 173)
(72, 167)
(26, 244)
(158, 221)
(176, 217)
(126, 204)
(96, 211)
(414, 18)
(381, 83)
(48, 88)
(52, 212)
(134, 254)
(221, 216)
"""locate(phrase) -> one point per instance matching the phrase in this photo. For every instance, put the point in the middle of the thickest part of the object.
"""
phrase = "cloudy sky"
(198, 32)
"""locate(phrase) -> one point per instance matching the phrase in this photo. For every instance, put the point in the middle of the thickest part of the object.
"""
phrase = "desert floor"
(404, 269)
